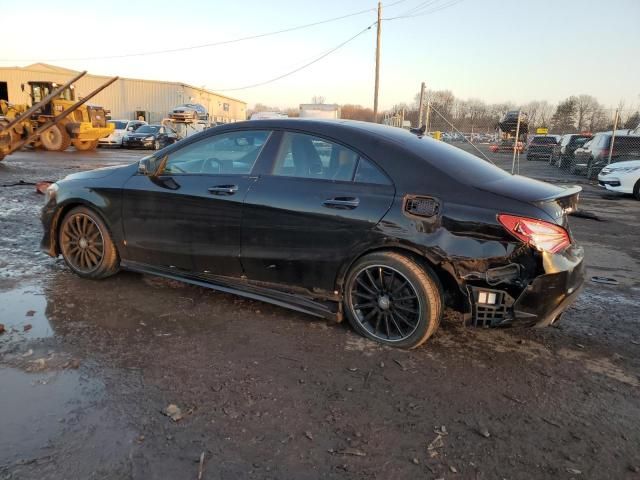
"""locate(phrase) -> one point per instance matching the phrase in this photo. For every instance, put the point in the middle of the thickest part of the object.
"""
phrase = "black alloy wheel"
(392, 299)
(386, 304)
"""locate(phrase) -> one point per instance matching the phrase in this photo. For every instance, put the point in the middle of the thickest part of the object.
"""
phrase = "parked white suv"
(623, 177)
(122, 128)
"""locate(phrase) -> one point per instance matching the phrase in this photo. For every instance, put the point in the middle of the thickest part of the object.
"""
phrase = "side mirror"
(145, 166)
(130, 129)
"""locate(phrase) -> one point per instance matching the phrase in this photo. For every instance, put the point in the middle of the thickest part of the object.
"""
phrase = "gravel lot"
(88, 368)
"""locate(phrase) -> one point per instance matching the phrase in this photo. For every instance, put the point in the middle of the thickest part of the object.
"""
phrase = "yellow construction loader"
(55, 119)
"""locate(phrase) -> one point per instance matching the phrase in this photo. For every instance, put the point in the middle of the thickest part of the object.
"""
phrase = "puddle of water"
(25, 305)
(36, 408)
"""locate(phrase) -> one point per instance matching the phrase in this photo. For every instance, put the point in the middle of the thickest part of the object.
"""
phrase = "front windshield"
(148, 129)
(118, 124)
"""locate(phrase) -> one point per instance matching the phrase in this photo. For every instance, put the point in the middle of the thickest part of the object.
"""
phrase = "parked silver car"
(189, 112)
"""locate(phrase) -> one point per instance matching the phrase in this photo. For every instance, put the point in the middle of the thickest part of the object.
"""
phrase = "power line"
(204, 45)
(326, 54)
(195, 47)
(428, 12)
(308, 64)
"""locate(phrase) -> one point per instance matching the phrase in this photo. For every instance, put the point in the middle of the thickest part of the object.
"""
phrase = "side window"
(225, 154)
(368, 173)
(306, 156)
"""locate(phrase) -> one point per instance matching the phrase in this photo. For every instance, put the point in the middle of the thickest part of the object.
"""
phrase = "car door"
(310, 211)
(187, 215)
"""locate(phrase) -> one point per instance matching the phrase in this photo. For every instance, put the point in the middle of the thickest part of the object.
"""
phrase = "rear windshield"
(543, 140)
(463, 166)
(452, 161)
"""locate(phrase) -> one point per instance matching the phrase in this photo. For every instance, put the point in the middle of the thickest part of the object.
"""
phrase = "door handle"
(223, 189)
(342, 203)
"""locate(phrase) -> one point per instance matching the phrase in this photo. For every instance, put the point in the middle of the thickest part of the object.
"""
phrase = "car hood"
(98, 172)
(522, 188)
(625, 164)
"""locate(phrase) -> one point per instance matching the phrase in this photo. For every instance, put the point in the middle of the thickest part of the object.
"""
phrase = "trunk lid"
(554, 200)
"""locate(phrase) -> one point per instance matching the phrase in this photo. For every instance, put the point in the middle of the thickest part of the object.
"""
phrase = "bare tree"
(317, 99)
(586, 105)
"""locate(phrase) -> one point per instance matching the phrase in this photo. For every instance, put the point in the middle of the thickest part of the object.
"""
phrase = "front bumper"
(138, 143)
(616, 183)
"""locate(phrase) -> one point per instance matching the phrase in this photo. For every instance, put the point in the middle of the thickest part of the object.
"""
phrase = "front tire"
(636, 190)
(86, 244)
(55, 139)
(85, 145)
(393, 300)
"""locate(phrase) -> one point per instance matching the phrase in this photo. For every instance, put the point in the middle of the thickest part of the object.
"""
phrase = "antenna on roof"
(419, 131)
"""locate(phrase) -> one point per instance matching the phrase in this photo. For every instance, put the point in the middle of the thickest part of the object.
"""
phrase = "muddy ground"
(87, 369)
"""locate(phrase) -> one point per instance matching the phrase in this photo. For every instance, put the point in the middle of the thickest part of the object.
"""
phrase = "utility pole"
(377, 85)
(421, 106)
(515, 147)
(426, 121)
(613, 136)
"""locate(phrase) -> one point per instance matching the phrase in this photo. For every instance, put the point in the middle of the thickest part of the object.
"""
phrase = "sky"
(493, 50)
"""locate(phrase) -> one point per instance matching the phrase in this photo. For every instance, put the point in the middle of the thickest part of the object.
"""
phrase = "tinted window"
(580, 141)
(627, 144)
(119, 125)
(225, 154)
(306, 156)
(367, 172)
(148, 129)
(544, 140)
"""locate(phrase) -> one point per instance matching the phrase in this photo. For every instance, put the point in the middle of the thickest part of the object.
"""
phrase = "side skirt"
(327, 309)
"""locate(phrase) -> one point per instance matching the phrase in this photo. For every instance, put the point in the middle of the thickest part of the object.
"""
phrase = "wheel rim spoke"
(367, 288)
(82, 243)
(406, 309)
(395, 324)
(372, 280)
(385, 303)
(360, 306)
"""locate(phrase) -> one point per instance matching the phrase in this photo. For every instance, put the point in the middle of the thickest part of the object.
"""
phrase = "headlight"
(623, 169)
(50, 193)
(125, 138)
(149, 138)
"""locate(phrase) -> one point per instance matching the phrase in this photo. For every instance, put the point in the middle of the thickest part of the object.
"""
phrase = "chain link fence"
(576, 137)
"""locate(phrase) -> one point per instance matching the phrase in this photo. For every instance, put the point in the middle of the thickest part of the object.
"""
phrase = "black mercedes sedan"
(331, 218)
(150, 136)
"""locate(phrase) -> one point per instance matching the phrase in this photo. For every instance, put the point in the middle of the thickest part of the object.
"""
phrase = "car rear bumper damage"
(502, 300)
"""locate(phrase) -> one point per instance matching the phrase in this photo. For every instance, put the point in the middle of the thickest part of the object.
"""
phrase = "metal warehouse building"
(127, 97)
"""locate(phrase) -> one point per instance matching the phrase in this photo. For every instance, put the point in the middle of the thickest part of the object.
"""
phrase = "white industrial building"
(127, 98)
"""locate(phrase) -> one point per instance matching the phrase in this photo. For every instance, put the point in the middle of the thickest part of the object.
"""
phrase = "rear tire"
(85, 145)
(393, 300)
(55, 139)
(636, 190)
(86, 244)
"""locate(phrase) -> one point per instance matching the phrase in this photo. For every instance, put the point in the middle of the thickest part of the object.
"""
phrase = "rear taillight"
(605, 152)
(544, 236)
